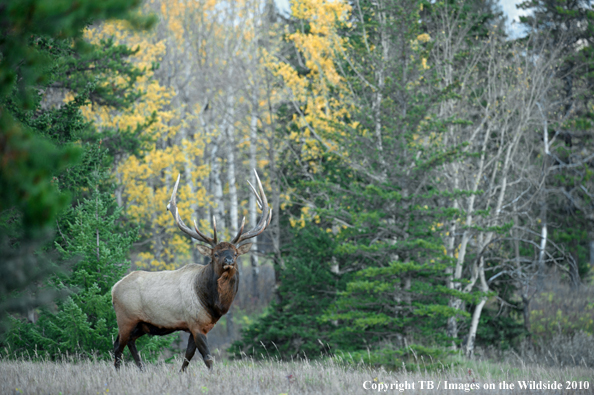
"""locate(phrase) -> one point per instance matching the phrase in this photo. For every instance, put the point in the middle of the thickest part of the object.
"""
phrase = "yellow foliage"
(147, 181)
(424, 64)
(320, 97)
(423, 38)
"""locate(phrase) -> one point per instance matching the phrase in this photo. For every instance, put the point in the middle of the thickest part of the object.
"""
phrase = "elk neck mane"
(215, 292)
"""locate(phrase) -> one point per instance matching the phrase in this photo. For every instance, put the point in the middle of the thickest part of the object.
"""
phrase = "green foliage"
(42, 48)
(398, 289)
(498, 330)
(26, 171)
(292, 327)
(84, 323)
(24, 66)
(562, 311)
(51, 155)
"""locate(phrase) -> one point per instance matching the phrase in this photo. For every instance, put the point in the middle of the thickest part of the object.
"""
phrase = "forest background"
(430, 177)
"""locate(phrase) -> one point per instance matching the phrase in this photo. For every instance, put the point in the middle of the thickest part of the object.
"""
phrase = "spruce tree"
(97, 247)
(42, 49)
(58, 216)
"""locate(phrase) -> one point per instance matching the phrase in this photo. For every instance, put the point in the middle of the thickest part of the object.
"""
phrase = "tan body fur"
(165, 299)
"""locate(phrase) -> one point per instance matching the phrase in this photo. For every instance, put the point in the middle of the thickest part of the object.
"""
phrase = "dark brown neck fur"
(217, 291)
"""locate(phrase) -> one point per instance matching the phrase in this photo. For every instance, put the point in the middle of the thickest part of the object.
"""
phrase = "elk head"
(223, 255)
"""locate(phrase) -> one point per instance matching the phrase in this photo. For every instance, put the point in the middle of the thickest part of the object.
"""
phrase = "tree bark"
(377, 100)
(230, 143)
(233, 227)
(252, 199)
(476, 315)
(217, 186)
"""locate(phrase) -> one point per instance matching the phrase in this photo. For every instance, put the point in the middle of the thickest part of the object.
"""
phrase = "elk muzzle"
(228, 263)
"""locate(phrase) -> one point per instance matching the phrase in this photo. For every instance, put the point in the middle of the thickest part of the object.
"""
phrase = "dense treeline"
(429, 174)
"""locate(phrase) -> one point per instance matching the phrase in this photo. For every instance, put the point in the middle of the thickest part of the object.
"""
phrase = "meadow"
(276, 378)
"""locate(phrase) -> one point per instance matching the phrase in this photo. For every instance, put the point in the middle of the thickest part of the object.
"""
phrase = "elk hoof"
(208, 361)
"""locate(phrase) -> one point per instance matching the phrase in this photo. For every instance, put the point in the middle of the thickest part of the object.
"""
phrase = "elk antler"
(264, 220)
(171, 206)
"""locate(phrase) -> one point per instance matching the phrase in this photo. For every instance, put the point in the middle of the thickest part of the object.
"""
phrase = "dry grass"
(249, 377)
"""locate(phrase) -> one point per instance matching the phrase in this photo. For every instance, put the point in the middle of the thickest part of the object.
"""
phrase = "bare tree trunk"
(378, 97)
(452, 323)
(233, 227)
(457, 272)
(230, 143)
(278, 260)
(524, 285)
(252, 199)
(119, 191)
(526, 309)
(476, 315)
(543, 208)
(275, 183)
(543, 245)
(217, 186)
(377, 101)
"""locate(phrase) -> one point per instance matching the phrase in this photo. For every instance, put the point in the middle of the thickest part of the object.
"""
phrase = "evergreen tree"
(84, 323)
(41, 46)
(292, 326)
(368, 248)
(53, 153)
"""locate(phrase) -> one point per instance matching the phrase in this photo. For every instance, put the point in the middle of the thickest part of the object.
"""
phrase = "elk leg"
(118, 349)
(124, 336)
(134, 352)
(190, 351)
(202, 345)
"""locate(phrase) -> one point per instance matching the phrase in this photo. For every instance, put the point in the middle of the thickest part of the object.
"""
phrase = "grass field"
(271, 377)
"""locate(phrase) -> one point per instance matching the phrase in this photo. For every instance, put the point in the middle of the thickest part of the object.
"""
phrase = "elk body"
(190, 299)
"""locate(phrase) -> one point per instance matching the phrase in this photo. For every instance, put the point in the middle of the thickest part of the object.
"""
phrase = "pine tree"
(84, 323)
(40, 47)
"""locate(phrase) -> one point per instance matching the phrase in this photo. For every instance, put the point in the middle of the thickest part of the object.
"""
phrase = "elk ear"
(245, 248)
(204, 250)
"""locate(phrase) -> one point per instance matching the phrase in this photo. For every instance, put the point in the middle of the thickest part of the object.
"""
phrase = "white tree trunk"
(377, 100)
(452, 323)
(476, 315)
(217, 186)
(230, 143)
(229, 132)
(253, 214)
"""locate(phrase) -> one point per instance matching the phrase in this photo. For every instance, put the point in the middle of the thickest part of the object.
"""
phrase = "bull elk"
(190, 299)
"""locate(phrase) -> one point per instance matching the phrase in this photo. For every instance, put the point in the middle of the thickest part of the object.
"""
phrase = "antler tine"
(266, 213)
(258, 200)
(214, 227)
(264, 200)
(239, 232)
(172, 200)
(172, 207)
(269, 218)
(210, 241)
